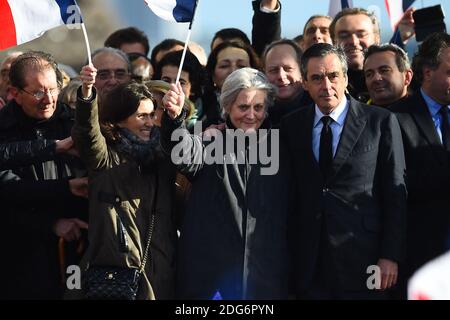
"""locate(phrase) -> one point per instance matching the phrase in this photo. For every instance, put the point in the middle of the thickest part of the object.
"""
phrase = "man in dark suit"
(349, 214)
(424, 123)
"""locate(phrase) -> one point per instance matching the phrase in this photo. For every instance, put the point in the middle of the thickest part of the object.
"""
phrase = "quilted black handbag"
(116, 283)
(111, 283)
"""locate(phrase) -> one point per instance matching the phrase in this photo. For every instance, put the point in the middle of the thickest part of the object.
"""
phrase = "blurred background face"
(317, 31)
(386, 84)
(36, 82)
(140, 123)
(4, 77)
(169, 74)
(133, 47)
(248, 112)
(219, 40)
(326, 82)
(283, 71)
(437, 82)
(111, 71)
(161, 53)
(229, 60)
(355, 33)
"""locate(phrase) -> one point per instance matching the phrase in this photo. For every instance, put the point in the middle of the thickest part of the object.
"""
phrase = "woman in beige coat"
(130, 184)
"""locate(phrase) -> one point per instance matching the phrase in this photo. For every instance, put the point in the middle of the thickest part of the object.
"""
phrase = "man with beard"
(282, 68)
(388, 74)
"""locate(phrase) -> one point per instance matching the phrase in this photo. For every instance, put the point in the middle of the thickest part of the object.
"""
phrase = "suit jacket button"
(318, 215)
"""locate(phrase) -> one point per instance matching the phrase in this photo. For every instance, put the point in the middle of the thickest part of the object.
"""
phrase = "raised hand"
(173, 100)
(87, 75)
(407, 25)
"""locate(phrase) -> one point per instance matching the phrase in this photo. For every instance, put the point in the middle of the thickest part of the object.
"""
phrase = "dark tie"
(326, 147)
(445, 128)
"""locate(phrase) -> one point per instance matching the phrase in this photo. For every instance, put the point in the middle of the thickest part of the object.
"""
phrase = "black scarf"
(145, 153)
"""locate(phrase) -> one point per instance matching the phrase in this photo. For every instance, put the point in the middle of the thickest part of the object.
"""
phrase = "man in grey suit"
(348, 220)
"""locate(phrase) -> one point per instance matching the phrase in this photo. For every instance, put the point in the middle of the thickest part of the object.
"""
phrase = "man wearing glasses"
(113, 68)
(355, 29)
(44, 203)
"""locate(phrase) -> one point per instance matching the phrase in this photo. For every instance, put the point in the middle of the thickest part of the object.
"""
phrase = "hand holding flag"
(173, 10)
(26, 20)
(176, 11)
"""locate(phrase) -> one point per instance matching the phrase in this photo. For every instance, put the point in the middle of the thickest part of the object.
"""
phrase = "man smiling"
(282, 68)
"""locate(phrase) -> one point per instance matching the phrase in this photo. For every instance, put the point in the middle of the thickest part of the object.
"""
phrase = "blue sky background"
(213, 15)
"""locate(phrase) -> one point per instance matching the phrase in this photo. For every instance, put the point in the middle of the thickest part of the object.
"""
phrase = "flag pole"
(88, 47)
(188, 37)
(86, 40)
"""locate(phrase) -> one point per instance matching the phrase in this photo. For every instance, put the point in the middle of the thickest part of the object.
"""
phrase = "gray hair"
(246, 78)
(115, 51)
(320, 50)
(401, 58)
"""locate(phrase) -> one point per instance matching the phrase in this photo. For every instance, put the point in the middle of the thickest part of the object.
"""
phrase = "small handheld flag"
(25, 20)
(173, 10)
(395, 10)
(337, 6)
(176, 11)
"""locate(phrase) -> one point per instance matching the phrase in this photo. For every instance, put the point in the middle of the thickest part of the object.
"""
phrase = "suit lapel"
(301, 135)
(424, 121)
(308, 133)
(355, 122)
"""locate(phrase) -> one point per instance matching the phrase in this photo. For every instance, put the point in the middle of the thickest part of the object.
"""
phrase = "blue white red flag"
(173, 10)
(337, 5)
(395, 10)
(25, 20)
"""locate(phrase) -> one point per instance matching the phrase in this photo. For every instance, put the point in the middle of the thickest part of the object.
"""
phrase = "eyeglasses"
(39, 95)
(361, 34)
(106, 74)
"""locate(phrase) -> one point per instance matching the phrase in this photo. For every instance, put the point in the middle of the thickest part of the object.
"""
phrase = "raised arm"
(266, 23)
(86, 132)
(185, 150)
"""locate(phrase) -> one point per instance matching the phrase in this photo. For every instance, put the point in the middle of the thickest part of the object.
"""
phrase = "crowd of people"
(121, 166)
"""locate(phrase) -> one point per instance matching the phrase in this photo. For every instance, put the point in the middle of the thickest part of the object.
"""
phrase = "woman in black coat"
(233, 237)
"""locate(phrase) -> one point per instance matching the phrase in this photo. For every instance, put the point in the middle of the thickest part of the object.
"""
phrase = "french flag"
(337, 6)
(173, 10)
(24, 20)
(395, 9)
